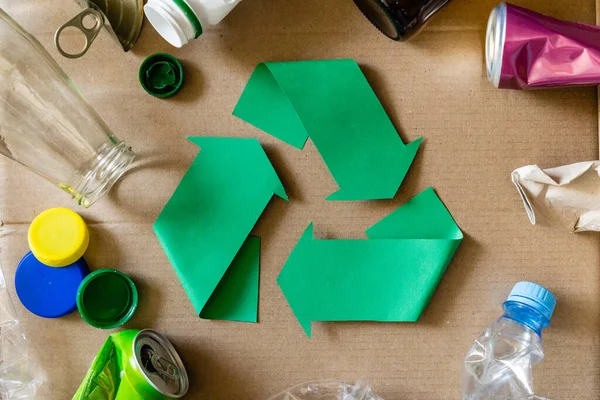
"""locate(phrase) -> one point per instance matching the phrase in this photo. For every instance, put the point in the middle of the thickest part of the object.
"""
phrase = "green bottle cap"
(161, 75)
(107, 298)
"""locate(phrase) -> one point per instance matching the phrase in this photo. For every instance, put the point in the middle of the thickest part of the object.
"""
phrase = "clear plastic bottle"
(498, 365)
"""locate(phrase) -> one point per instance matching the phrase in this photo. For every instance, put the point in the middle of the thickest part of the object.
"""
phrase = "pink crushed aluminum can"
(529, 50)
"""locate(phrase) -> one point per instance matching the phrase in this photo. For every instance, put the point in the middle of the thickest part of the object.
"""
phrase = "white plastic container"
(180, 21)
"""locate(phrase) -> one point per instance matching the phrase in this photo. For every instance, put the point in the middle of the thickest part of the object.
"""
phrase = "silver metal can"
(160, 364)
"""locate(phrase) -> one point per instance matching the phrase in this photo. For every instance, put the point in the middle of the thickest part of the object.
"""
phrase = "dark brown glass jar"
(399, 19)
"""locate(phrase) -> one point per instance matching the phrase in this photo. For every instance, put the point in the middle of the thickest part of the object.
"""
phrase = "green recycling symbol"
(204, 228)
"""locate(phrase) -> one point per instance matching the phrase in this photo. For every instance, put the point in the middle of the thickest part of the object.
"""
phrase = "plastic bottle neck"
(180, 21)
(526, 315)
(175, 20)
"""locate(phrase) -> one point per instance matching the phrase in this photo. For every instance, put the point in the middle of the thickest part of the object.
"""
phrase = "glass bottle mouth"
(98, 175)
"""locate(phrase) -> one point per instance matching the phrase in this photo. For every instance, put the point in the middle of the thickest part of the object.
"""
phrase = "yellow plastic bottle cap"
(58, 237)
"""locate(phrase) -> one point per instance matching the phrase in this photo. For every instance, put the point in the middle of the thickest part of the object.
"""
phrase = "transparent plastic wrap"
(498, 366)
(19, 378)
(328, 390)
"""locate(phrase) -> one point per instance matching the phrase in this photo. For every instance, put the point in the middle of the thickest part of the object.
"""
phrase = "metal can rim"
(168, 346)
(494, 43)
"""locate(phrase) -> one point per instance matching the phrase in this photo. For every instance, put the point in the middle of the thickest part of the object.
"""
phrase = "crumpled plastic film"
(19, 378)
(104, 375)
(328, 390)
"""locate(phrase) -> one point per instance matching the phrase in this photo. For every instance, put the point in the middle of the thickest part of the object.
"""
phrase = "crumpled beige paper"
(566, 197)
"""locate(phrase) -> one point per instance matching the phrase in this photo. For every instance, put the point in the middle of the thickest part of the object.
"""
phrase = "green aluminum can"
(135, 365)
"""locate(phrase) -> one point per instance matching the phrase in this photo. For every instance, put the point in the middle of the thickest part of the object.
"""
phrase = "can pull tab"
(89, 32)
(158, 364)
(164, 367)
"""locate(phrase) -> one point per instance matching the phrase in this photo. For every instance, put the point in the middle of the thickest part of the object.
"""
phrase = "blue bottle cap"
(535, 296)
(48, 291)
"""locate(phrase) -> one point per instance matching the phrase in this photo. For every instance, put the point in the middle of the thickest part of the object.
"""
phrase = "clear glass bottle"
(48, 126)
(499, 364)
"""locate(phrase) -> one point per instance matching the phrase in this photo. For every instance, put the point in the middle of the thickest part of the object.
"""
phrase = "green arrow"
(204, 227)
(331, 102)
(388, 278)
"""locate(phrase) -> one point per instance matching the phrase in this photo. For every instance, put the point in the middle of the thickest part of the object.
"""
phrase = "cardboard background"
(434, 86)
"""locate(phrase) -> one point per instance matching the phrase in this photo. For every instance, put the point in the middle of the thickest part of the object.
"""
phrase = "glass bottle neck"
(525, 315)
(98, 175)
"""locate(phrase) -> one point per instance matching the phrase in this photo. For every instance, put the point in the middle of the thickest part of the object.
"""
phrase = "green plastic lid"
(107, 298)
(161, 75)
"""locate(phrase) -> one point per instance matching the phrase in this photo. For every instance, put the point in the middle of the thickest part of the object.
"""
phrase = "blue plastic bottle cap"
(47, 291)
(535, 296)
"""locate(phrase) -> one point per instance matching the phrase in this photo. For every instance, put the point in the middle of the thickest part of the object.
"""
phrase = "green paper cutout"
(332, 102)
(236, 295)
(209, 217)
(389, 277)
